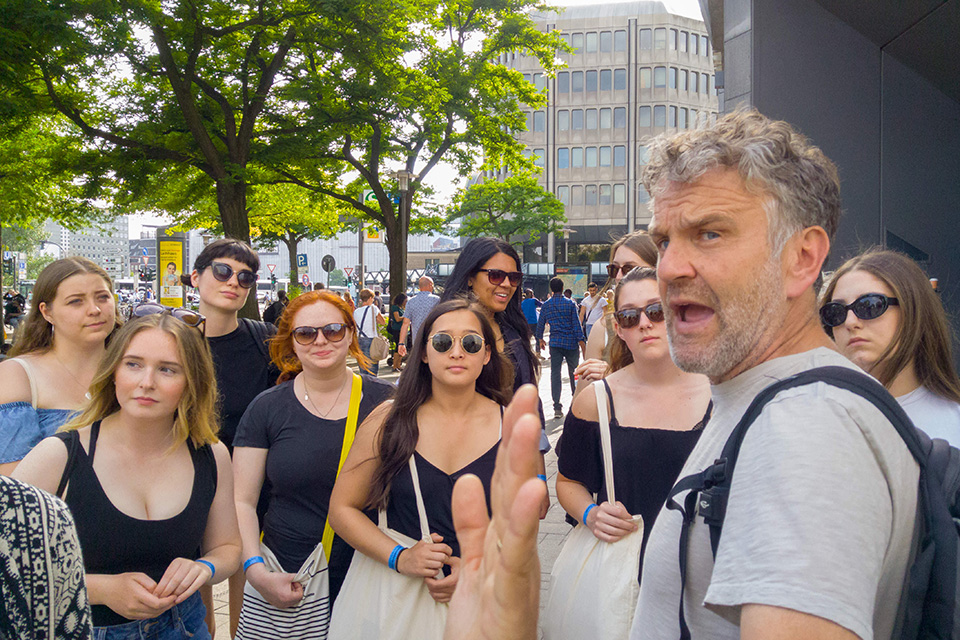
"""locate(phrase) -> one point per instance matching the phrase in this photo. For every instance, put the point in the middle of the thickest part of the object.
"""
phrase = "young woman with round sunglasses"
(630, 251)
(884, 315)
(293, 438)
(656, 414)
(55, 354)
(446, 419)
(147, 482)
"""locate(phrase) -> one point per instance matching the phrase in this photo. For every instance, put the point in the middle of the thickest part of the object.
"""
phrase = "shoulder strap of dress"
(28, 369)
(94, 435)
(613, 410)
(605, 442)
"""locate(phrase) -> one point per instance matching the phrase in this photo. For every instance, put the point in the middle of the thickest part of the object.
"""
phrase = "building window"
(693, 119)
(606, 41)
(539, 82)
(659, 38)
(619, 156)
(576, 157)
(694, 41)
(606, 79)
(682, 122)
(576, 82)
(606, 195)
(563, 195)
(576, 195)
(529, 115)
(577, 118)
(659, 116)
(619, 194)
(673, 117)
(684, 78)
(527, 77)
(563, 120)
(645, 81)
(620, 118)
(592, 42)
(683, 40)
(591, 119)
(605, 156)
(563, 158)
(591, 81)
(672, 78)
(646, 39)
(539, 121)
(565, 37)
(642, 195)
(590, 159)
(619, 79)
(577, 42)
(563, 82)
(606, 118)
(672, 41)
(620, 40)
(538, 157)
(704, 44)
(644, 119)
(694, 81)
(660, 78)
(590, 195)
(705, 84)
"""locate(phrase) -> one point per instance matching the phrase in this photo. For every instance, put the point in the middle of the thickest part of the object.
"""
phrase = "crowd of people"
(194, 447)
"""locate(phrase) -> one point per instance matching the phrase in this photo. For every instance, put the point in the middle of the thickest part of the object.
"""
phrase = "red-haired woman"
(295, 435)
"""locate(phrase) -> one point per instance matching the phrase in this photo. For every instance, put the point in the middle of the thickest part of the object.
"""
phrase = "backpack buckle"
(712, 505)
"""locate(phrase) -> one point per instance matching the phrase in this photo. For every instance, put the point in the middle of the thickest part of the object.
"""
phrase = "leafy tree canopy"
(517, 206)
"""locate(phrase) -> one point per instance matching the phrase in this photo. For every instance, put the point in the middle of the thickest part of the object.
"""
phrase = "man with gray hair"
(820, 516)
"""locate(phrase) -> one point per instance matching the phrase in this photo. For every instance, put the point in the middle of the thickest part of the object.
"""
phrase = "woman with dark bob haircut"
(884, 315)
(488, 270)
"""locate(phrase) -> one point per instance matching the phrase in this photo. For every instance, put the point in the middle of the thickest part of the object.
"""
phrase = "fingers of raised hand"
(470, 518)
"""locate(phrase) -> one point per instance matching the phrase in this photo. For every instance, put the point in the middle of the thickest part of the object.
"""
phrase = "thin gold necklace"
(306, 396)
(75, 379)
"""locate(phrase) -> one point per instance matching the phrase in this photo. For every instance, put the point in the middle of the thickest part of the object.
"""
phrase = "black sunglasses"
(496, 276)
(186, 316)
(867, 307)
(443, 342)
(333, 332)
(614, 269)
(223, 272)
(629, 318)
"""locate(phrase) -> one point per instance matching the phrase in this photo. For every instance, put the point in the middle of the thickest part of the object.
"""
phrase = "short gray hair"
(771, 157)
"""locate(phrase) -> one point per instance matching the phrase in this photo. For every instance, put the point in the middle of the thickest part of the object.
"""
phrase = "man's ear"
(803, 258)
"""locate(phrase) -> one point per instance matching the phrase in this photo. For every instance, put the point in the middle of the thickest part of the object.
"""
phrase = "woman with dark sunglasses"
(443, 424)
(293, 437)
(656, 414)
(884, 315)
(147, 482)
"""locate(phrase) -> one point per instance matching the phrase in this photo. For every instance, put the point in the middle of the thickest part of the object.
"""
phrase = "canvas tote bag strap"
(599, 389)
(349, 432)
(421, 510)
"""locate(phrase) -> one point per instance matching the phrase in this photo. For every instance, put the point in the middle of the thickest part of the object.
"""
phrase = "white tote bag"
(377, 603)
(593, 586)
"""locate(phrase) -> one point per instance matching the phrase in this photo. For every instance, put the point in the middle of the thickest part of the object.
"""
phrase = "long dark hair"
(468, 265)
(400, 432)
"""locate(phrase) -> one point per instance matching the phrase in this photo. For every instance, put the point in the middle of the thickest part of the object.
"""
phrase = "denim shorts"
(182, 621)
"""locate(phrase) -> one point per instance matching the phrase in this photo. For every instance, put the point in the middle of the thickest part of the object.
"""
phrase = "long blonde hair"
(196, 414)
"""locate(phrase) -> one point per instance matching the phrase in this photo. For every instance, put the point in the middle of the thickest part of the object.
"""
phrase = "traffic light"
(8, 267)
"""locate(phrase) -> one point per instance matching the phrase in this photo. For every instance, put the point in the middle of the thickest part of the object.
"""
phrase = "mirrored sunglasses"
(497, 276)
(442, 342)
(869, 306)
(186, 316)
(223, 272)
(629, 318)
(333, 332)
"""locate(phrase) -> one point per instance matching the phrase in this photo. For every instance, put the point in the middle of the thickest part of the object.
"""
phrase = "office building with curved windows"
(637, 70)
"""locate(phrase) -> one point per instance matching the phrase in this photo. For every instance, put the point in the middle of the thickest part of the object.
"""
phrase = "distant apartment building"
(106, 245)
(637, 70)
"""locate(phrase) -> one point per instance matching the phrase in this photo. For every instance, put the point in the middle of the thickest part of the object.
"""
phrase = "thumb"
(436, 537)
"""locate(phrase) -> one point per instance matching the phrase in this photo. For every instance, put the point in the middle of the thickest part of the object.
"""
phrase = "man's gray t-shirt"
(820, 516)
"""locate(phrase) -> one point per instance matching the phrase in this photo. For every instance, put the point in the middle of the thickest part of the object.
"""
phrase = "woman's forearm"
(573, 497)
(359, 532)
(225, 560)
(249, 531)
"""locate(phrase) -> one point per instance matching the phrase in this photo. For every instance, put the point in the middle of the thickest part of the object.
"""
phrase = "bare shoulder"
(221, 454)
(585, 404)
(44, 465)
(14, 384)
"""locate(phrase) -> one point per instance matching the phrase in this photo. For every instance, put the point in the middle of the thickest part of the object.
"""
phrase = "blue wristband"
(213, 569)
(585, 512)
(252, 561)
(542, 477)
(392, 561)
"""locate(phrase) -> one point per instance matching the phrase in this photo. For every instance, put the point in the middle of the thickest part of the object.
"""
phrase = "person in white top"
(897, 332)
(369, 319)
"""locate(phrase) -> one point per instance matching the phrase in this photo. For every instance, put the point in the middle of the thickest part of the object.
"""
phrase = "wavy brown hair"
(400, 432)
(923, 335)
(281, 345)
(196, 414)
(35, 334)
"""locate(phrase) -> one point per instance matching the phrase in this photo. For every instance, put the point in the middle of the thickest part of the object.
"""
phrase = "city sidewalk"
(553, 529)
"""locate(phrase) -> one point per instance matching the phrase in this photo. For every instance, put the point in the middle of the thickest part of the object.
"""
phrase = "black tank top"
(113, 542)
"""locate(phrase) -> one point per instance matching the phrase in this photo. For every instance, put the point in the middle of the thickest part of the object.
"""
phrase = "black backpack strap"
(261, 332)
(72, 440)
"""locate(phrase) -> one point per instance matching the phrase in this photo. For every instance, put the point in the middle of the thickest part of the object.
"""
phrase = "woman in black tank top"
(446, 416)
(149, 485)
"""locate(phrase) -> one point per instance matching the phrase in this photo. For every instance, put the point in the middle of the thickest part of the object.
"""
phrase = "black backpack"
(261, 332)
(928, 609)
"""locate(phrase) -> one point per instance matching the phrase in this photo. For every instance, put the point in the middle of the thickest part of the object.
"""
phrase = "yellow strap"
(349, 432)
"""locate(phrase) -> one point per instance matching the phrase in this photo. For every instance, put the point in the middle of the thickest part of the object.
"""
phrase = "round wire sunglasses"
(442, 342)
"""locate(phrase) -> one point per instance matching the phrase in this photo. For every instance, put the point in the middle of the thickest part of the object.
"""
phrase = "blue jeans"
(180, 622)
(557, 356)
(365, 348)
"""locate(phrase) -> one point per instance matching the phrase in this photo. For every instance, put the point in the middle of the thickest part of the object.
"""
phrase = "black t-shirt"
(302, 459)
(243, 371)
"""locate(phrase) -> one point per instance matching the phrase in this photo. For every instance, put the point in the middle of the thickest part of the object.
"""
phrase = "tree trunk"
(232, 204)
(292, 241)
(397, 247)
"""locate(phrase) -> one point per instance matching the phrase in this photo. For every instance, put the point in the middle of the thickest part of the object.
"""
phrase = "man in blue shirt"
(566, 338)
(529, 307)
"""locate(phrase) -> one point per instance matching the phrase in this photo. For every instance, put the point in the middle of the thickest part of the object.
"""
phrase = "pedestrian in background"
(531, 311)
(272, 313)
(416, 311)
(566, 339)
(591, 308)
(368, 321)
(393, 328)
